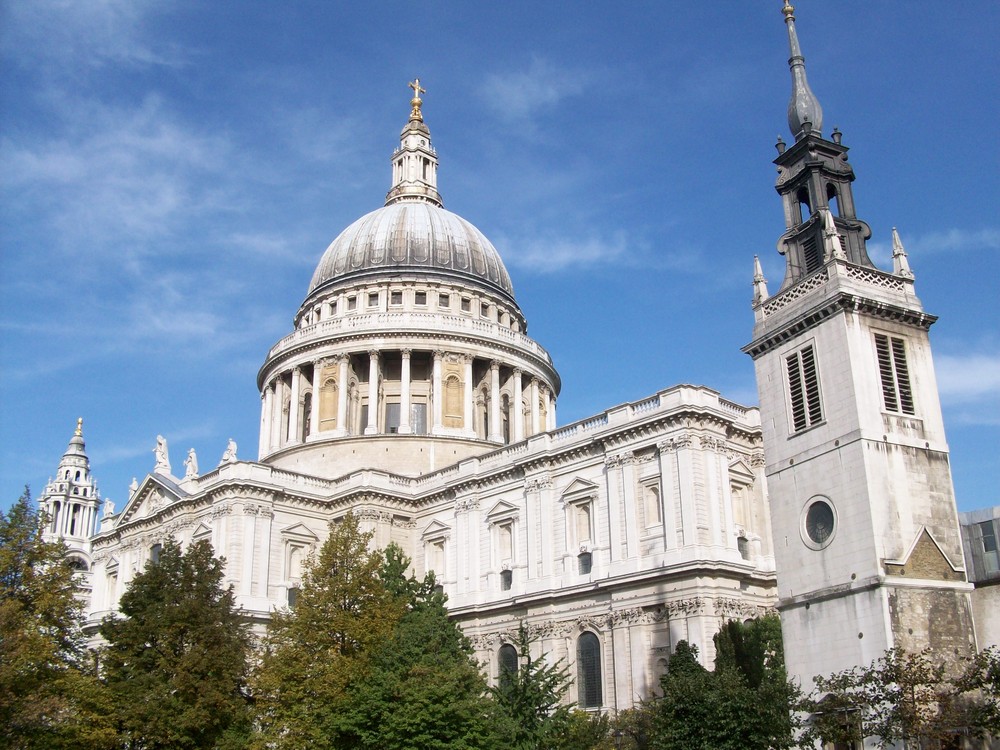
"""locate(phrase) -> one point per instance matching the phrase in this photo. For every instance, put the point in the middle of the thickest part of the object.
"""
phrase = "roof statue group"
(162, 465)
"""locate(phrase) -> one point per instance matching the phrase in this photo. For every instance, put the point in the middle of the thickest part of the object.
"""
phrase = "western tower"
(866, 535)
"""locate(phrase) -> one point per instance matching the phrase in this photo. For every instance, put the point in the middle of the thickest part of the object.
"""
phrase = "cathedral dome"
(408, 236)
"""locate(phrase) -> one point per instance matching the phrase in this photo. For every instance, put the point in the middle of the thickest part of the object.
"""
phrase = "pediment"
(204, 531)
(435, 529)
(154, 494)
(299, 532)
(925, 559)
(501, 510)
(579, 489)
(740, 471)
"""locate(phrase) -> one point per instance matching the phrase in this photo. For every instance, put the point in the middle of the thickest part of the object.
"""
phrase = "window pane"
(589, 670)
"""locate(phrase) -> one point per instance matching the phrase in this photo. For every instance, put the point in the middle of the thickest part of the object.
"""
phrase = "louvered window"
(588, 657)
(893, 374)
(811, 254)
(803, 387)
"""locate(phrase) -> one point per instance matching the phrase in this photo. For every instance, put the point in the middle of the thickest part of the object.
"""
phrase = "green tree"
(532, 697)
(907, 698)
(49, 698)
(176, 663)
(423, 689)
(745, 704)
(314, 653)
(687, 713)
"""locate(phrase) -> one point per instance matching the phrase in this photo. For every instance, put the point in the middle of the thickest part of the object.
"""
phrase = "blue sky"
(171, 172)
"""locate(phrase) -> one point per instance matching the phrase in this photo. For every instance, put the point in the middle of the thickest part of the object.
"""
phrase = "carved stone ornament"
(466, 504)
(737, 608)
(757, 460)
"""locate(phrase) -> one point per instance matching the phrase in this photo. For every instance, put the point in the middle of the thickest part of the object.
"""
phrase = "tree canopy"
(49, 697)
(176, 663)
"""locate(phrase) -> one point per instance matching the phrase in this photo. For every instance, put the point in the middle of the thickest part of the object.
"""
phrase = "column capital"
(517, 372)
(373, 353)
(494, 364)
(438, 355)
(406, 353)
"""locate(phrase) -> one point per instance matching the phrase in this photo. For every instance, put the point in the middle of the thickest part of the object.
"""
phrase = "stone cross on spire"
(416, 101)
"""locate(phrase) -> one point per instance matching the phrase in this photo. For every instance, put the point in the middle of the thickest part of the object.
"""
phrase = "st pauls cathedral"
(410, 393)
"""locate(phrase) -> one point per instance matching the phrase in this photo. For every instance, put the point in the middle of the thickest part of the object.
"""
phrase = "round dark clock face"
(819, 522)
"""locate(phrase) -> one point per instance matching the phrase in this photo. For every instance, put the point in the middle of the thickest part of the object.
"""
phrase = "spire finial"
(760, 292)
(416, 101)
(79, 427)
(900, 263)
(804, 112)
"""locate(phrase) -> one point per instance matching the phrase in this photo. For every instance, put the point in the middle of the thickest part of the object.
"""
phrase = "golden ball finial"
(79, 426)
(788, 10)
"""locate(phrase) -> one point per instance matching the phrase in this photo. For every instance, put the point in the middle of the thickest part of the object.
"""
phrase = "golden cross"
(417, 90)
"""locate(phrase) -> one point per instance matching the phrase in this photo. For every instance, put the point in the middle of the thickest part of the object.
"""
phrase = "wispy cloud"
(90, 34)
(968, 378)
(520, 96)
(947, 241)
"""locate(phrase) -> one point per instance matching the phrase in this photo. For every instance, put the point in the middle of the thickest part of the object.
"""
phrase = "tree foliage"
(745, 704)
(532, 697)
(315, 652)
(909, 698)
(49, 697)
(176, 663)
(423, 688)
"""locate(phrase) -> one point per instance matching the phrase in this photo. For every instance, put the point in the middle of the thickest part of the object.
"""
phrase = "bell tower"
(866, 535)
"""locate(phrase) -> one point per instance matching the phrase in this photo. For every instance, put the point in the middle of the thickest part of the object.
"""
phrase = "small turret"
(415, 162)
(72, 501)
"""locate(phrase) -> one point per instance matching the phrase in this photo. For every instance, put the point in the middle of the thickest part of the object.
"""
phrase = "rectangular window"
(373, 299)
(418, 418)
(506, 579)
(395, 298)
(352, 303)
(484, 310)
(420, 298)
(893, 374)
(392, 418)
(444, 300)
(803, 387)
(991, 556)
(466, 304)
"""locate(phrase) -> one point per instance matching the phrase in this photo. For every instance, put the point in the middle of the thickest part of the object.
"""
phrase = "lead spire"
(804, 113)
(415, 162)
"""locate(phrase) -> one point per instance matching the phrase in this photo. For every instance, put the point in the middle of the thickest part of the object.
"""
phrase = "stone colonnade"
(403, 391)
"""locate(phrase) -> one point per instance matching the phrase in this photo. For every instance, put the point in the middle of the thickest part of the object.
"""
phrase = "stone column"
(342, 426)
(613, 477)
(551, 411)
(668, 491)
(469, 385)
(533, 429)
(404, 394)
(372, 428)
(317, 384)
(436, 389)
(275, 430)
(293, 406)
(265, 405)
(628, 501)
(517, 414)
(496, 432)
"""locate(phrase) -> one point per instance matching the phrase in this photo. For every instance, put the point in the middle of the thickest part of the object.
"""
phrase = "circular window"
(819, 522)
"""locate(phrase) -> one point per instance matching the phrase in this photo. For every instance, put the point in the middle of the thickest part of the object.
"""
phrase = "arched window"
(507, 664)
(306, 420)
(831, 199)
(805, 209)
(328, 396)
(588, 661)
(453, 410)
